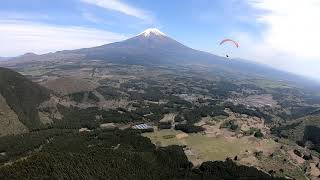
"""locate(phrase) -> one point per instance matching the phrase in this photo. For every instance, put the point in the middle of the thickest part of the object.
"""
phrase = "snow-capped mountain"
(150, 46)
(152, 31)
(149, 39)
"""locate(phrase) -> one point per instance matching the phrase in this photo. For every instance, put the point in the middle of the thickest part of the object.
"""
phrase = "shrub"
(258, 134)
(188, 128)
(298, 153)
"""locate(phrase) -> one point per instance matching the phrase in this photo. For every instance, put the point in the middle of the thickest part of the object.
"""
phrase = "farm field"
(265, 154)
(211, 148)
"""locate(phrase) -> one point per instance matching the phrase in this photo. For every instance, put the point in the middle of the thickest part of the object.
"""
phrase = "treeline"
(91, 118)
(223, 89)
(109, 93)
(150, 94)
(297, 112)
(194, 115)
(191, 115)
(229, 170)
(241, 109)
(79, 96)
(281, 131)
(312, 134)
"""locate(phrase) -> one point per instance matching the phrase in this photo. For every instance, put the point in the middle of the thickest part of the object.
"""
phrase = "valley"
(93, 102)
(91, 95)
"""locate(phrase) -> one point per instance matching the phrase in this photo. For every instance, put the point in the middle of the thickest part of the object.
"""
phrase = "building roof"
(141, 126)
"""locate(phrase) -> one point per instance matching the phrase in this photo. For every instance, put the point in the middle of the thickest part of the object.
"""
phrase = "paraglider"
(231, 41)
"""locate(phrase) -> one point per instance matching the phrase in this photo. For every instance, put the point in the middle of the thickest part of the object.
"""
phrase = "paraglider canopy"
(230, 40)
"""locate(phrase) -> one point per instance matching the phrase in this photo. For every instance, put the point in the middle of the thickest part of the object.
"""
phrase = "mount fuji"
(149, 47)
(153, 47)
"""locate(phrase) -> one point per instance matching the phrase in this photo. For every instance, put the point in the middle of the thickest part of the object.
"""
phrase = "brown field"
(68, 85)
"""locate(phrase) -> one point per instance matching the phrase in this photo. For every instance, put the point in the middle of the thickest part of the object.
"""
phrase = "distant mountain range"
(4, 58)
(154, 47)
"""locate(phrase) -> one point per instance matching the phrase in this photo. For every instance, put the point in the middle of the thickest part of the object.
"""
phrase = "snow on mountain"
(152, 31)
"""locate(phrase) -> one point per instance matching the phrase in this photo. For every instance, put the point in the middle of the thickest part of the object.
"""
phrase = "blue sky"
(280, 33)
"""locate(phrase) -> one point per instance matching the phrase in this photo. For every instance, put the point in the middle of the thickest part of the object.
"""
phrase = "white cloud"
(19, 37)
(290, 39)
(262, 52)
(293, 25)
(117, 5)
(95, 19)
(90, 17)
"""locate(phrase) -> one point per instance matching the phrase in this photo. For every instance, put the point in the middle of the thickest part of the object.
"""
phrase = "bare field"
(68, 85)
(257, 101)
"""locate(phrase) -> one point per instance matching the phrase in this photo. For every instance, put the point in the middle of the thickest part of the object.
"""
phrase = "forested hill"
(22, 96)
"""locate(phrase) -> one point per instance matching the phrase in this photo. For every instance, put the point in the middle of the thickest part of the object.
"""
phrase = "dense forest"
(106, 154)
(312, 135)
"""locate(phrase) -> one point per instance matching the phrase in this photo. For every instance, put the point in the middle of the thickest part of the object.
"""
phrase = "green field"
(159, 137)
(211, 149)
(264, 83)
(208, 148)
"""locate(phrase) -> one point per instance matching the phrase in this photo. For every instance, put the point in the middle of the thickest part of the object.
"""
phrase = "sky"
(280, 33)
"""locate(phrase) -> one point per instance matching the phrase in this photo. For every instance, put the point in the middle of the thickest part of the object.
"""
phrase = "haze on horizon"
(282, 34)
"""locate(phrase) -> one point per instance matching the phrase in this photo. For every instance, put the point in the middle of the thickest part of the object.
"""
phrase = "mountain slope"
(4, 58)
(9, 121)
(305, 131)
(22, 96)
(152, 47)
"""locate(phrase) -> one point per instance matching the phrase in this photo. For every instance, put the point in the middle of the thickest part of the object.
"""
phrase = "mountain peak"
(29, 54)
(152, 31)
